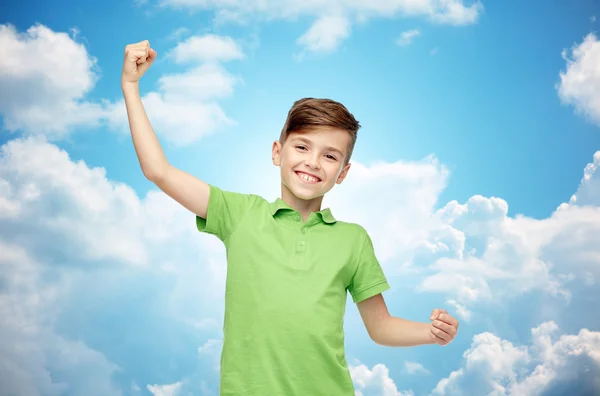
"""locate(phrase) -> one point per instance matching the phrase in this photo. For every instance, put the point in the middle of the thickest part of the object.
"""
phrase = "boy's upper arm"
(368, 279)
(373, 311)
(191, 192)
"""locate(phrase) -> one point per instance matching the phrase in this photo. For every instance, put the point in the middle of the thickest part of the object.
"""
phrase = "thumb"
(434, 314)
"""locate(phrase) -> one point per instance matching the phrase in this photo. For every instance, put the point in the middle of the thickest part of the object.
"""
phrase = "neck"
(302, 206)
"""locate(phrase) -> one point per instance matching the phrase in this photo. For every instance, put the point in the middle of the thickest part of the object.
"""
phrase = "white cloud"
(175, 119)
(407, 37)
(376, 382)
(77, 196)
(334, 19)
(207, 48)
(580, 84)
(461, 311)
(55, 243)
(207, 81)
(588, 192)
(569, 364)
(325, 34)
(499, 256)
(165, 390)
(415, 368)
(45, 76)
(454, 12)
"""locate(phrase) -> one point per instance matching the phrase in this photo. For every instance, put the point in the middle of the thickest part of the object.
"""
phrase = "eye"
(331, 157)
(301, 147)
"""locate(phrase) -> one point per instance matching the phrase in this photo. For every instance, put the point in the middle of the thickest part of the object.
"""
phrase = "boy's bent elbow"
(155, 174)
(377, 340)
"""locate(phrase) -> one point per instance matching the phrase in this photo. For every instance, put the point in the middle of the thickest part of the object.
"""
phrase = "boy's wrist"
(130, 86)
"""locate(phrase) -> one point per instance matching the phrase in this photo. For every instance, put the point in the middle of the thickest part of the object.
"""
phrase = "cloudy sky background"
(476, 172)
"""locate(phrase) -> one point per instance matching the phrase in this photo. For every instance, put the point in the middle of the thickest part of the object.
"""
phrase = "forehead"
(323, 136)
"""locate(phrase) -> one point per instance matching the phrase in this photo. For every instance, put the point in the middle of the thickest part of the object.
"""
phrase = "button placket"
(300, 250)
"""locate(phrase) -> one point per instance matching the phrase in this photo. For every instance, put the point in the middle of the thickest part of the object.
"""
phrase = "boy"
(289, 262)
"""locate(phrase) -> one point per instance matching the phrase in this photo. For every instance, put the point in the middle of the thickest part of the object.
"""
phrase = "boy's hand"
(138, 58)
(443, 327)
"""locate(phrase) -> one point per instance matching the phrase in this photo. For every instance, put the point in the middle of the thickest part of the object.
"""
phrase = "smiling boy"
(290, 263)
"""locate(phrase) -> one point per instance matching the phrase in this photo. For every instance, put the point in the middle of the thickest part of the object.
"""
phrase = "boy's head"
(317, 139)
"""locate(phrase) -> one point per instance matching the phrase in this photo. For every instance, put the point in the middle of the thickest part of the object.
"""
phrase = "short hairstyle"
(308, 113)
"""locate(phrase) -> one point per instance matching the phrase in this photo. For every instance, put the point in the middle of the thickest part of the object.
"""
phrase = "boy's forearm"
(147, 147)
(398, 332)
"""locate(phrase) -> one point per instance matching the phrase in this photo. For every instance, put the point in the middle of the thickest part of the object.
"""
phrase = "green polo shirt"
(286, 294)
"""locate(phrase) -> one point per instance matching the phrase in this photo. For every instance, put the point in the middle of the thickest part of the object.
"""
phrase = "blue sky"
(475, 172)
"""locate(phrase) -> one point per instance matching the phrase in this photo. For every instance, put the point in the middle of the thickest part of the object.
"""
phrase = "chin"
(308, 194)
(305, 196)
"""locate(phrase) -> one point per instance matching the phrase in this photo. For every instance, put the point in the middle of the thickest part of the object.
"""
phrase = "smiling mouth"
(307, 179)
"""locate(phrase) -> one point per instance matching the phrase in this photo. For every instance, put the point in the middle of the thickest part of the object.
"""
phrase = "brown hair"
(310, 112)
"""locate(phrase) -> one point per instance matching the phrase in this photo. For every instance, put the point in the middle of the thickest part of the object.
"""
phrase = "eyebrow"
(330, 148)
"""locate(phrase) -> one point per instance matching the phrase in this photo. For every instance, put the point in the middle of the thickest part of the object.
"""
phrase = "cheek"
(334, 171)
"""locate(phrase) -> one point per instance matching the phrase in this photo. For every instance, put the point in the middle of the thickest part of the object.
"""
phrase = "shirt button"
(301, 243)
(303, 231)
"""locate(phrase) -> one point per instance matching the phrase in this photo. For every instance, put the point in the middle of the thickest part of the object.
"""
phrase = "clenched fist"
(138, 58)
(443, 327)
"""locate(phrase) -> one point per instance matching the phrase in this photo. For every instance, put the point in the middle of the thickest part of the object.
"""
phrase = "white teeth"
(308, 178)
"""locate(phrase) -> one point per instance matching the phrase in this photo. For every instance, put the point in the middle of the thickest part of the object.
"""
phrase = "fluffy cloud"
(496, 256)
(580, 83)
(415, 368)
(407, 37)
(551, 365)
(334, 19)
(208, 48)
(376, 382)
(588, 192)
(48, 97)
(325, 34)
(73, 243)
(165, 390)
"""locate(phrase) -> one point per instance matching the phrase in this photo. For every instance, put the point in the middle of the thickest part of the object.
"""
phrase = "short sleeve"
(224, 212)
(369, 279)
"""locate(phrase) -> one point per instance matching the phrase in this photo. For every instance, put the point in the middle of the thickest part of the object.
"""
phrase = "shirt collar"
(279, 204)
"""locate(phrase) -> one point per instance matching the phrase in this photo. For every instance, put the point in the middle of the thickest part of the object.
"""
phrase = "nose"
(313, 161)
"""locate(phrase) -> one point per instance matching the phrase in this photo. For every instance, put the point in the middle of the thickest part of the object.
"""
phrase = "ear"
(343, 174)
(276, 153)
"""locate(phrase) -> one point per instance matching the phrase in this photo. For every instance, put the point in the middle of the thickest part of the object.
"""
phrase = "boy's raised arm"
(184, 188)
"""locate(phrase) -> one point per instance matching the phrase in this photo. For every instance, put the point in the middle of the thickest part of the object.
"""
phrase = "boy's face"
(312, 162)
